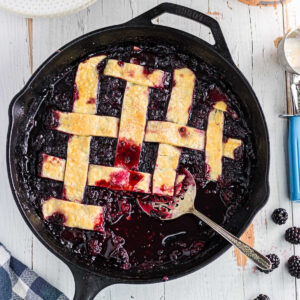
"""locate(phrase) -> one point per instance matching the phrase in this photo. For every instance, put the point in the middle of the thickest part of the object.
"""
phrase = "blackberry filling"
(131, 238)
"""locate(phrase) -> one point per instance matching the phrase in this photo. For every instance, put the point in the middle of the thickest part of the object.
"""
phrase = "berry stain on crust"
(163, 188)
(122, 180)
(131, 73)
(182, 131)
(75, 92)
(120, 63)
(148, 71)
(91, 101)
(130, 238)
(99, 223)
(127, 154)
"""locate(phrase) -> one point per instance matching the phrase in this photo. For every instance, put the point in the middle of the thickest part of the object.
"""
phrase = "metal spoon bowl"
(289, 51)
(170, 208)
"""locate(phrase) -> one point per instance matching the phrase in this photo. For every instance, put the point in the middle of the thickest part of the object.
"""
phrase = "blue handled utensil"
(294, 157)
(289, 57)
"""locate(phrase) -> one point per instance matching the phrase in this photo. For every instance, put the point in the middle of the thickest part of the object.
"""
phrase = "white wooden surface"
(249, 32)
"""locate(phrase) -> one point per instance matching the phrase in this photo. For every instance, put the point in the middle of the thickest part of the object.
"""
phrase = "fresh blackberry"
(262, 297)
(294, 266)
(292, 235)
(279, 216)
(274, 259)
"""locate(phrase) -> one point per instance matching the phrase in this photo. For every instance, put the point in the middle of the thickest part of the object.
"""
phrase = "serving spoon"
(183, 203)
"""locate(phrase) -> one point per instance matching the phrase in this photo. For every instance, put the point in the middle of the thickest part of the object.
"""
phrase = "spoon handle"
(260, 260)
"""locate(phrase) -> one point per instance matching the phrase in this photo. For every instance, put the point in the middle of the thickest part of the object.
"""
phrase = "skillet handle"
(88, 285)
(220, 43)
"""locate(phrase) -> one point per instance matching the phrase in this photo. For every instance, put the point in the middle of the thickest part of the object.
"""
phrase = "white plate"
(44, 8)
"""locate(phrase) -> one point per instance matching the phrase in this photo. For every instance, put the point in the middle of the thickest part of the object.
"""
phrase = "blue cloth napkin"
(19, 282)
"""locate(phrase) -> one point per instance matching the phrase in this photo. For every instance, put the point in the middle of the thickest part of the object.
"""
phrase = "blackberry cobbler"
(119, 127)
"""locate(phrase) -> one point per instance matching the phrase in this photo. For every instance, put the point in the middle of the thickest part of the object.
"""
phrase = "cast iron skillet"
(25, 104)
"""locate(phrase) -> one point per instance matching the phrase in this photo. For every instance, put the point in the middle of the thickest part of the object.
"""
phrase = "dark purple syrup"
(132, 239)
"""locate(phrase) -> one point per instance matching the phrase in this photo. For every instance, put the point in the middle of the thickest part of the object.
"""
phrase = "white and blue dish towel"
(19, 282)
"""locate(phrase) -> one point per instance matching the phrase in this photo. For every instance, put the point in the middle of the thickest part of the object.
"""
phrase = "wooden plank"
(265, 71)
(292, 19)
(15, 71)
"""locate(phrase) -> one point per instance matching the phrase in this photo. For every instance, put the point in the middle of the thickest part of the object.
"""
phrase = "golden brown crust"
(178, 112)
(134, 73)
(119, 179)
(165, 170)
(53, 167)
(221, 105)
(181, 96)
(86, 82)
(88, 125)
(133, 121)
(175, 134)
(76, 167)
(89, 217)
(214, 143)
(134, 113)
(230, 146)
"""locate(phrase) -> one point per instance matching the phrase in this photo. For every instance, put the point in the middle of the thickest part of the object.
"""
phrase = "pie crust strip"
(86, 86)
(175, 134)
(53, 167)
(76, 167)
(119, 179)
(181, 96)
(89, 217)
(221, 105)
(178, 112)
(214, 144)
(134, 73)
(132, 126)
(165, 170)
(87, 125)
(230, 146)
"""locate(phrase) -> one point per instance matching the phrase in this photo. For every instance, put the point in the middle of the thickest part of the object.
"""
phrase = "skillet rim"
(9, 154)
